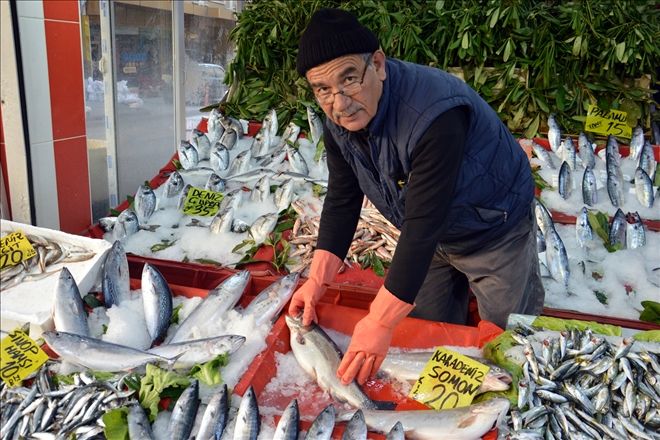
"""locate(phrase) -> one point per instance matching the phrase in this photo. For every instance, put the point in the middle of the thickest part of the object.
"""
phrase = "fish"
(556, 257)
(215, 183)
(543, 217)
(261, 144)
(115, 281)
(222, 221)
(543, 155)
(612, 153)
(262, 227)
(323, 425)
(68, 309)
(240, 163)
(589, 187)
(569, 154)
(99, 355)
(188, 155)
(218, 301)
(144, 203)
(215, 130)
(289, 136)
(157, 301)
(565, 181)
(271, 124)
(287, 427)
(239, 226)
(554, 133)
(284, 195)
(201, 142)
(636, 143)
(233, 199)
(635, 233)
(297, 161)
(272, 160)
(184, 412)
(315, 126)
(269, 302)
(647, 160)
(138, 423)
(198, 351)
(540, 241)
(466, 423)
(615, 184)
(586, 151)
(215, 416)
(618, 226)
(174, 185)
(230, 138)
(319, 357)
(644, 188)
(248, 423)
(232, 124)
(583, 229)
(219, 158)
(396, 433)
(655, 131)
(356, 428)
(261, 190)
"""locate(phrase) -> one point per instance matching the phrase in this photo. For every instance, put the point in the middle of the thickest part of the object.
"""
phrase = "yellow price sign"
(14, 249)
(449, 380)
(20, 356)
(608, 122)
(202, 202)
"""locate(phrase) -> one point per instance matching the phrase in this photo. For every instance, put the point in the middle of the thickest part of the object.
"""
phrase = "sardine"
(184, 412)
(215, 416)
(583, 229)
(554, 133)
(618, 227)
(323, 425)
(315, 126)
(248, 423)
(188, 155)
(68, 309)
(115, 277)
(589, 187)
(267, 305)
(644, 188)
(157, 301)
(287, 428)
(198, 351)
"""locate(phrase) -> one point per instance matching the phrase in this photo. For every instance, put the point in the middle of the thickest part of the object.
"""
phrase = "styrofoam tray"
(31, 301)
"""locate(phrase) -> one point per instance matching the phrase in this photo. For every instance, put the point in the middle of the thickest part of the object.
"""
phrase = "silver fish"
(565, 181)
(556, 257)
(218, 301)
(247, 420)
(618, 229)
(396, 433)
(323, 425)
(647, 160)
(230, 138)
(68, 310)
(183, 196)
(157, 301)
(144, 203)
(543, 217)
(612, 153)
(262, 227)
(635, 234)
(284, 195)
(271, 124)
(269, 302)
(215, 130)
(297, 161)
(318, 355)
(222, 221)
(115, 277)
(239, 226)
(215, 416)
(261, 144)
(188, 155)
(636, 143)
(554, 133)
(219, 158)
(586, 151)
(569, 154)
(240, 163)
(583, 229)
(261, 190)
(644, 188)
(99, 355)
(356, 428)
(467, 423)
(174, 185)
(589, 187)
(289, 136)
(273, 160)
(200, 141)
(543, 155)
(233, 199)
(232, 124)
(615, 185)
(198, 351)
(215, 183)
(138, 423)
(315, 126)
(184, 412)
(287, 428)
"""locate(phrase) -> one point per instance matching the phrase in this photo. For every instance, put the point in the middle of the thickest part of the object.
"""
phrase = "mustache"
(347, 112)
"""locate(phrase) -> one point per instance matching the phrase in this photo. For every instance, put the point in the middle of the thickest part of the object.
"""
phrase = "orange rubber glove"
(372, 337)
(325, 266)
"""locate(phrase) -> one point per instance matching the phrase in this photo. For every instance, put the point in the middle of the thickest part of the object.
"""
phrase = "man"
(439, 164)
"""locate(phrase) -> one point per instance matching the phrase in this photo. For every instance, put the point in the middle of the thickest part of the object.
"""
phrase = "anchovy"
(115, 277)
(269, 302)
(262, 227)
(201, 142)
(635, 234)
(218, 301)
(188, 155)
(583, 229)
(356, 428)
(618, 226)
(554, 133)
(586, 151)
(565, 181)
(287, 428)
(184, 412)
(323, 425)
(157, 300)
(68, 309)
(636, 143)
(138, 423)
(644, 188)
(589, 187)
(198, 351)
(315, 126)
(248, 423)
(215, 416)
(174, 185)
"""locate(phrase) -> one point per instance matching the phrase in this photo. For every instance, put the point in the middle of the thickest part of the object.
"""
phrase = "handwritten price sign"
(202, 202)
(20, 356)
(449, 380)
(15, 248)
(613, 122)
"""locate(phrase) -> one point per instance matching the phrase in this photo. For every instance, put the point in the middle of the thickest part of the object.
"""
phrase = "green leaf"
(209, 372)
(648, 336)
(533, 128)
(207, 261)
(163, 245)
(242, 244)
(465, 41)
(601, 296)
(577, 44)
(153, 383)
(116, 424)
(319, 190)
(92, 301)
(114, 212)
(620, 50)
(175, 314)
(377, 265)
(177, 163)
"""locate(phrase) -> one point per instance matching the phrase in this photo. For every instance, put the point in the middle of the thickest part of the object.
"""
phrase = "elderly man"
(439, 164)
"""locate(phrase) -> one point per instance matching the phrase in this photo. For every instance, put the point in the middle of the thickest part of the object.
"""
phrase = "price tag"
(20, 356)
(449, 380)
(202, 202)
(607, 122)
(15, 248)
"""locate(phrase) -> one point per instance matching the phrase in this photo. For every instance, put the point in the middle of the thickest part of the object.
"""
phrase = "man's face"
(351, 112)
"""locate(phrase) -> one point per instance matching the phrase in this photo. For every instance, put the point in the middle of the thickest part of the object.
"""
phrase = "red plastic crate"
(411, 332)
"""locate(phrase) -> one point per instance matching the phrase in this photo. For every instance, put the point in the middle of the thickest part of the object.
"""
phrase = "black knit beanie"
(330, 34)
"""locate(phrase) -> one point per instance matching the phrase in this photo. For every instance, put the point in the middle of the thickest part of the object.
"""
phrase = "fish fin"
(384, 405)
(171, 361)
(467, 421)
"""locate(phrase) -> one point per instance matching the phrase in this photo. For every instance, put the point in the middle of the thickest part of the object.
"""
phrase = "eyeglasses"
(352, 86)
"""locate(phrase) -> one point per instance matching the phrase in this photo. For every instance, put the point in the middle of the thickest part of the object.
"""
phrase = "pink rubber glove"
(372, 337)
(325, 266)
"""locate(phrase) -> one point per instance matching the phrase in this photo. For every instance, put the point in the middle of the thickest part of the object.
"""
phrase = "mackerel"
(270, 301)
(115, 277)
(198, 351)
(157, 301)
(184, 412)
(68, 310)
(215, 416)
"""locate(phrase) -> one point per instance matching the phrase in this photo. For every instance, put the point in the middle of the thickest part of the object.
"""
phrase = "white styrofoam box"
(32, 301)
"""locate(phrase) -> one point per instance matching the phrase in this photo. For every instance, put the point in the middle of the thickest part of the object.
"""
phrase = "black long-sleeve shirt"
(436, 160)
